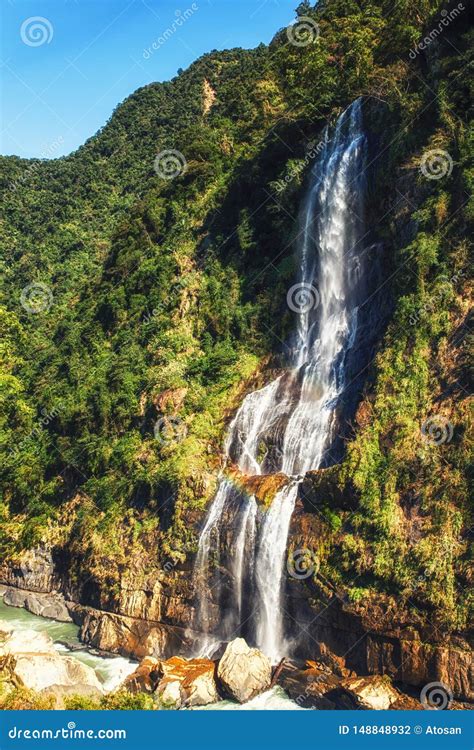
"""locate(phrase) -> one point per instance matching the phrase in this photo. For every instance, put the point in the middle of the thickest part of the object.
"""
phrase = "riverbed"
(111, 670)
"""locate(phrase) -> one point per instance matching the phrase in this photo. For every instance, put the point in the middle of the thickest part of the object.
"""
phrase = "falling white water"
(208, 540)
(245, 541)
(288, 425)
(269, 565)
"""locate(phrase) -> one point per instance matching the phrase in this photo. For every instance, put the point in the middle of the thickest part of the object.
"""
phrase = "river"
(111, 670)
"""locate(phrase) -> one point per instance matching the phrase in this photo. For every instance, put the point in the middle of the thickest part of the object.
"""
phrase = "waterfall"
(288, 426)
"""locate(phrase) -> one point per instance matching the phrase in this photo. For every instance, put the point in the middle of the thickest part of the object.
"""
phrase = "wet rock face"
(243, 672)
(127, 635)
(35, 571)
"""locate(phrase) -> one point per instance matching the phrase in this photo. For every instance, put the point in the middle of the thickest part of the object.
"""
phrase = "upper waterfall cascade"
(289, 425)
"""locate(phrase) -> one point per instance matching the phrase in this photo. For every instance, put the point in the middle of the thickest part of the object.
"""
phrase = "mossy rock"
(326, 488)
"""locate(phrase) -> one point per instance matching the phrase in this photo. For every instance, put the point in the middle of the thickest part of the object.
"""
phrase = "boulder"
(196, 679)
(169, 693)
(145, 678)
(43, 605)
(375, 693)
(35, 663)
(244, 672)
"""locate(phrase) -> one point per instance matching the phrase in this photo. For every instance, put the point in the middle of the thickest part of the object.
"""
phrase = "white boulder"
(244, 672)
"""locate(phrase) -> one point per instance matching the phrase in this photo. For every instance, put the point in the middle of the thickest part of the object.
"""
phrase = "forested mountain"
(144, 294)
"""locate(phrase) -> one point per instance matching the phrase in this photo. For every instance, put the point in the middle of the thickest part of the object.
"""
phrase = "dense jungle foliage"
(162, 300)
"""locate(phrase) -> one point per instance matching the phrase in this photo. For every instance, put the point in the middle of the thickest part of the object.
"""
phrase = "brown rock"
(375, 693)
(170, 400)
(195, 678)
(264, 486)
(145, 678)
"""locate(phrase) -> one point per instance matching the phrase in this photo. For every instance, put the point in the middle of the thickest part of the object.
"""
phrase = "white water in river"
(111, 670)
(289, 425)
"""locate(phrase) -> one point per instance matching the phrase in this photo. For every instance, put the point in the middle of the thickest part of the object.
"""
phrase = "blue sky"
(66, 64)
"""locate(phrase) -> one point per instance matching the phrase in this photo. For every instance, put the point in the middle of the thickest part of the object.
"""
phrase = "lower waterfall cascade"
(289, 425)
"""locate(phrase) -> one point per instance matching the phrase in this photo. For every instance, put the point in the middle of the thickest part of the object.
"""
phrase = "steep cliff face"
(170, 305)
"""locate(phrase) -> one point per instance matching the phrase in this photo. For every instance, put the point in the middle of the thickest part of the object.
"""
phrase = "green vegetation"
(163, 299)
(21, 698)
